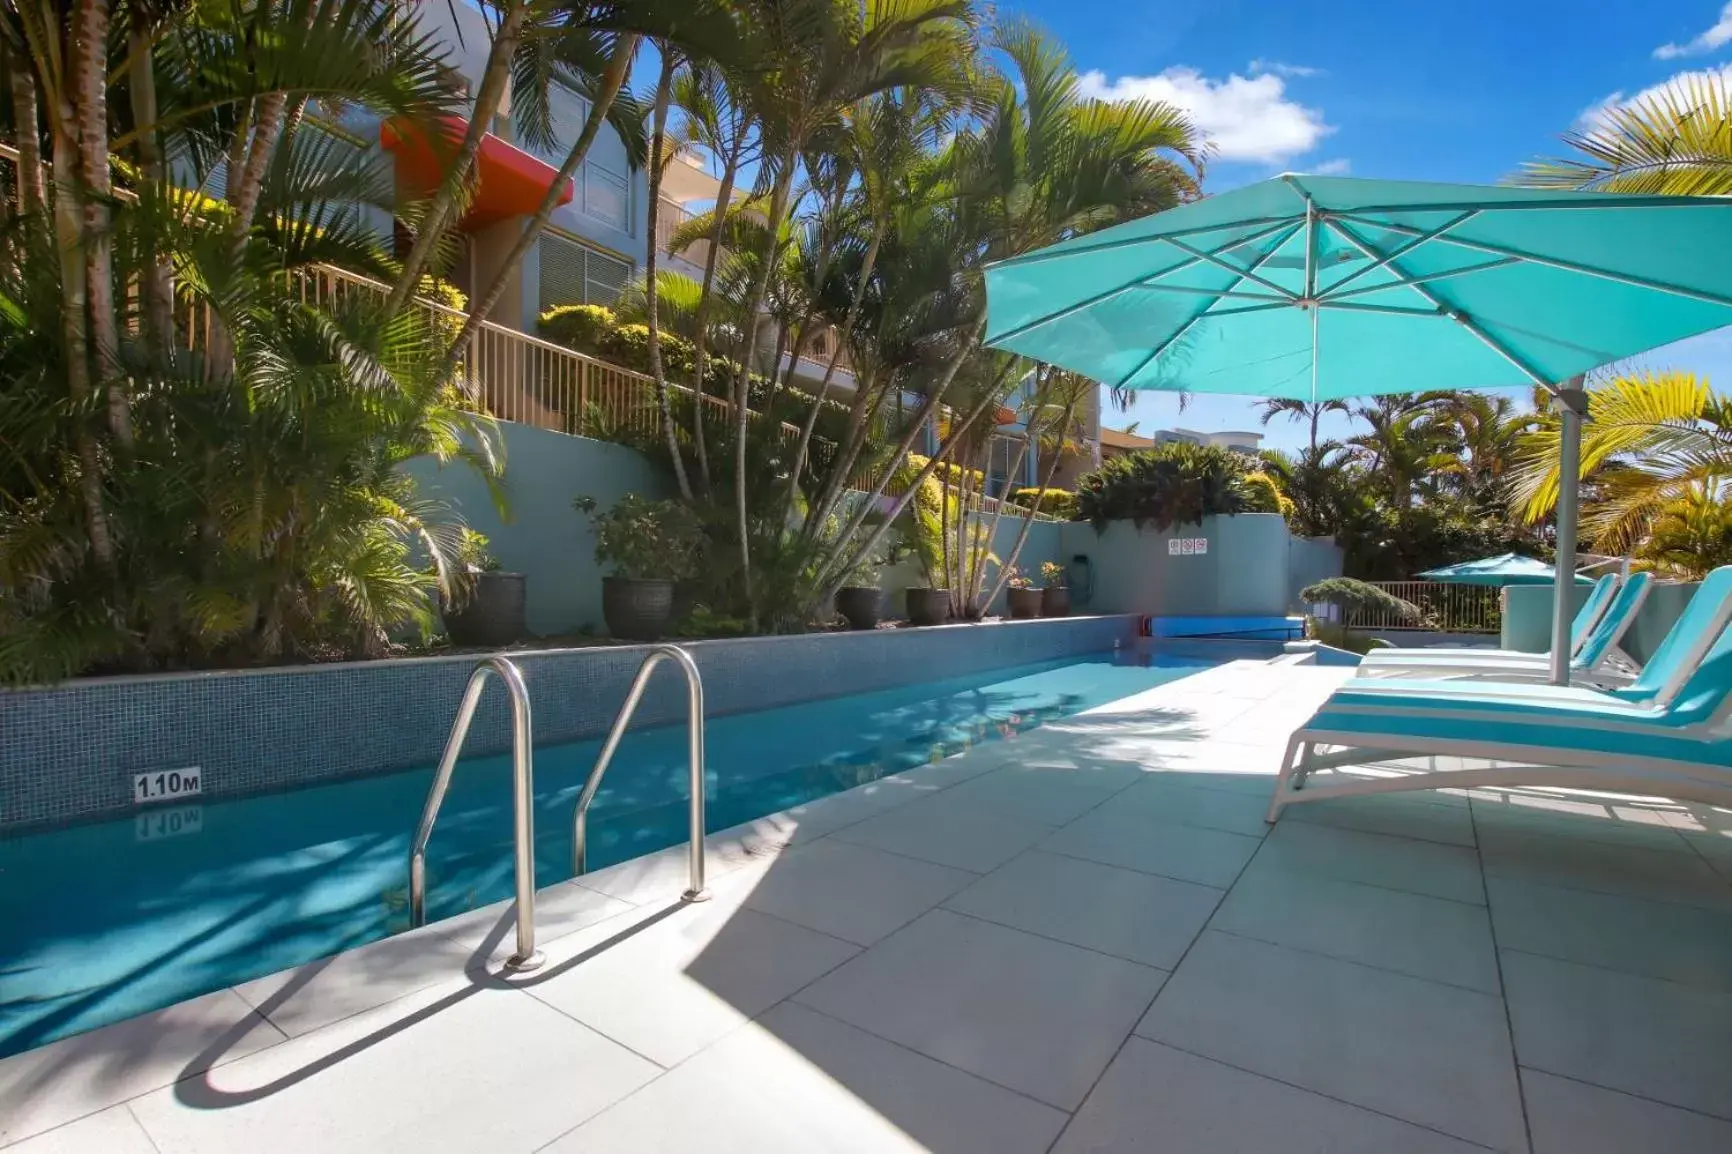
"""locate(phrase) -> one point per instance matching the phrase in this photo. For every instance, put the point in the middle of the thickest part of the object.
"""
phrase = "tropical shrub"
(643, 539)
(580, 328)
(1053, 575)
(1352, 596)
(1059, 503)
(1173, 484)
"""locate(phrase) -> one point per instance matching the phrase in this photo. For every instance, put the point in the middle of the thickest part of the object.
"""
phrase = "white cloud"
(1594, 115)
(1245, 118)
(1711, 40)
(1279, 68)
(1340, 166)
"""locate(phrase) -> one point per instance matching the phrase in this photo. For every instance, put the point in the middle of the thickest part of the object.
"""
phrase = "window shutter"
(607, 278)
(573, 274)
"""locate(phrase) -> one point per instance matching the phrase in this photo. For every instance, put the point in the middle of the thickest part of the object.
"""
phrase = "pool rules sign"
(1187, 546)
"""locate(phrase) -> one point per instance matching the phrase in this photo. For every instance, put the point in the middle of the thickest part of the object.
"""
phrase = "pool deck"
(1084, 939)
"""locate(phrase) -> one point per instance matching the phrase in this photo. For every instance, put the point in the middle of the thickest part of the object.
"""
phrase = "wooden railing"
(1443, 608)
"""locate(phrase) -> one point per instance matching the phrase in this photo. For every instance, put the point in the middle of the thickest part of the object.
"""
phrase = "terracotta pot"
(1055, 601)
(862, 605)
(928, 606)
(637, 610)
(1024, 603)
(494, 614)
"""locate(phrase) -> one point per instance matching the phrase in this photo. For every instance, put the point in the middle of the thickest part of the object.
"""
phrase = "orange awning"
(511, 181)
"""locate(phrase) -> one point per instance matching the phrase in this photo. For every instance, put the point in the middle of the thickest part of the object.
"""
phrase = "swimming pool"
(103, 921)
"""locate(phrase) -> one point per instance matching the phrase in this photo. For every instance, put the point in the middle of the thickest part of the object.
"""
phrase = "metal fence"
(1443, 608)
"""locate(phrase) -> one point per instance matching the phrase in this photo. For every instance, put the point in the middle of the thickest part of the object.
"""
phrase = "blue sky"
(1403, 89)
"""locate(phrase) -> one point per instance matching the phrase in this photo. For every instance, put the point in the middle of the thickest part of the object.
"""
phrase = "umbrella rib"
(1246, 274)
(1553, 262)
(1447, 309)
(1140, 282)
(1047, 254)
(1387, 310)
(1398, 253)
(1330, 296)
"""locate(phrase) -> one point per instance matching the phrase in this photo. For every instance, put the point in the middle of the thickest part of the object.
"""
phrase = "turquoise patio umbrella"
(1504, 569)
(1317, 288)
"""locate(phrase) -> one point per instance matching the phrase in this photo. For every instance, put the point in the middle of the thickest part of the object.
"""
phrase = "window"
(607, 196)
(575, 274)
(1001, 457)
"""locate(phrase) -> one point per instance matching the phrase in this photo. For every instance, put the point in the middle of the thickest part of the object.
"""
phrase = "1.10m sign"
(166, 784)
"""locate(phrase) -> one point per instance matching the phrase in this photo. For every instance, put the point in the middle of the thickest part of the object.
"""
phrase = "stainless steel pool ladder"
(695, 891)
(523, 803)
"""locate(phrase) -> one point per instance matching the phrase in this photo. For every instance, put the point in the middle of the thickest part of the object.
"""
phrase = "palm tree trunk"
(658, 140)
(156, 286)
(978, 578)
(724, 195)
(612, 79)
(90, 80)
(1315, 413)
(1008, 565)
(27, 120)
(495, 77)
(743, 372)
(833, 481)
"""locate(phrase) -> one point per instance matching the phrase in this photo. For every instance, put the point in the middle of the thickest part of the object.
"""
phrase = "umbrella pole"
(1572, 404)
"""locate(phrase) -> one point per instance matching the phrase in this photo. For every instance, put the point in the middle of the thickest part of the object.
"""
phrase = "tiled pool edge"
(69, 752)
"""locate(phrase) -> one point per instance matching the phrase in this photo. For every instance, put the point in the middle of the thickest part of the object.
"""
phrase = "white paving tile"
(63, 1080)
(1123, 912)
(330, 989)
(559, 910)
(1651, 1038)
(113, 1131)
(799, 1082)
(1134, 841)
(1169, 799)
(1569, 1117)
(852, 891)
(1584, 817)
(1032, 1014)
(1435, 1055)
(1154, 1099)
(1680, 943)
(1631, 870)
(1412, 934)
(1051, 790)
(938, 829)
(455, 1068)
(1398, 863)
(667, 984)
(1424, 816)
(661, 877)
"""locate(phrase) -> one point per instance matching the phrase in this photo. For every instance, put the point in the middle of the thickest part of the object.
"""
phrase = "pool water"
(102, 921)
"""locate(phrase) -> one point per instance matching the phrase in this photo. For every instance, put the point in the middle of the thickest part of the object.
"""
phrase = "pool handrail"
(694, 756)
(523, 802)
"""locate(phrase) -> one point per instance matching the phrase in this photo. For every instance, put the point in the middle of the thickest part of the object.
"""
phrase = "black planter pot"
(494, 614)
(862, 605)
(928, 606)
(637, 610)
(1024, 603)
(1054, 602)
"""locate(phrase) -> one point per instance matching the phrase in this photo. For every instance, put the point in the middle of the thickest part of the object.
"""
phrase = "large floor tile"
(1586, 817)
(1651, 1038)
(63, 1080)
(113, 1131)
(559, 910)
(1630, 870)
(319, 993)
(799, 1082)
(1412, 934)
(1157, 1100)
(1170, 799)
(1569, 1117)
(669, 984)
(660, 878)
(942, 831)
(1424, 816)
(1397, 863)
(1047, 789)
(1123, 912)
(1680, 943)
(457, 1068)
(1431, 1054)
(852, 891)
(1133, 841)
(1029, 1013)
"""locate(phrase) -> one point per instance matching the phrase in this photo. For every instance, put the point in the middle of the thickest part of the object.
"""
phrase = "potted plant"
(649, 545)
(1021, 597)
(487, 605)
(927, 606)
(861, 601)
(1054, 593)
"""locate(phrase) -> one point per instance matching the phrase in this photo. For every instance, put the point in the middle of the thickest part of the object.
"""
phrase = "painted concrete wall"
(1310, 560)
(1527, 616)
(1043, 545)
(1246, 570)
(545, 537)
(1527, 621)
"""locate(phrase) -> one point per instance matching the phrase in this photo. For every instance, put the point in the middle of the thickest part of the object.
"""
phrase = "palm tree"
(1675, 141)
(1310, 411)
(1407, 447)
(1650, 440)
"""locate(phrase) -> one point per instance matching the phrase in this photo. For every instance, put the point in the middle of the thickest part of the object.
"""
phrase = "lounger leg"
(1287, 772)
